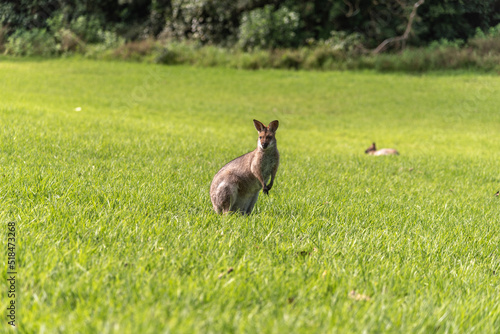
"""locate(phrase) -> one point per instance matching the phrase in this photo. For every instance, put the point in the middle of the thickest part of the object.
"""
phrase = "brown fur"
(235, 188)
(372, 150)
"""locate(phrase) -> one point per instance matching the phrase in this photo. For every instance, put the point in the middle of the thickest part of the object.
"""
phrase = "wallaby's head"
(267, 137)
(372, 148)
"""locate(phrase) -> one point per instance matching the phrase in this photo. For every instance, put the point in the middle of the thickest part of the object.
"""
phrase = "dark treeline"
(250, 24)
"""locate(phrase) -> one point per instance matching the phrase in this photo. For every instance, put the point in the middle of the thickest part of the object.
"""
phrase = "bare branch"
(405, 35)
(401, 4)
(352, 11)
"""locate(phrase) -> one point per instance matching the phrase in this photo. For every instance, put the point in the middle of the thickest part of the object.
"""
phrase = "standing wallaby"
(372, 150)
(236, 186)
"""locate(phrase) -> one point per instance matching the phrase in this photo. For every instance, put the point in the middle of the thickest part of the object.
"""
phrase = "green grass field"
(116, 232)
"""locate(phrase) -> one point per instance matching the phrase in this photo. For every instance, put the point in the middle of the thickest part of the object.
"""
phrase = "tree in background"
(252, 23)
(456, 19)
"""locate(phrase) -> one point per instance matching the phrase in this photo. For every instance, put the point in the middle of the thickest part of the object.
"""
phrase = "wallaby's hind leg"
(251, 204)
(221, 206)
(224, 198)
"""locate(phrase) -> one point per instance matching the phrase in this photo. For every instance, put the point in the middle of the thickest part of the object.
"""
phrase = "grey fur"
(235, 188)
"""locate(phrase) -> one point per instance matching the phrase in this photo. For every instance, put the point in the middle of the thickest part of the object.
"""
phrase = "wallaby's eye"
(269, 137)
(260, 137)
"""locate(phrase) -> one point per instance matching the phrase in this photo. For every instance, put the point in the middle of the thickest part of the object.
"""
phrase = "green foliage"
(446, 44)
(137, 51)
(3, 38)
(251, 24)
(7, 14)
(492, 32)
(451, 20)
(205, 21)
(478, 55)
(351, 44)
(268, 28)
(177, 53)
(68, 41)
(82, 34)
(27, 14)
(88, 29)
(487, 44)
(446, 34)
(35, 42)
(106, 168)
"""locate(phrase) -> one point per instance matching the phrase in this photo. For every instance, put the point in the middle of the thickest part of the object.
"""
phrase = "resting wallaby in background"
(236, 186)
(372, 150)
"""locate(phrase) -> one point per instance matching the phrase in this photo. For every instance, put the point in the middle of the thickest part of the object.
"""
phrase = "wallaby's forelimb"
(261, 179)
(266, 189)
(256, 170)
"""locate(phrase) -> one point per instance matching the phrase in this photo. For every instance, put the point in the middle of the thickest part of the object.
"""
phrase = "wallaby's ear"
(258, 125)
(273, 126)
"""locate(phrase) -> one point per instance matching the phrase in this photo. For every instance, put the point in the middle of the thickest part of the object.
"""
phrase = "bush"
(289, 58)
(427, 59)
(176, 53)
(109, 39)
(3, 35)
(444, 44)
(202, 21)
(89, 29)
(69, 41)
(210, 55)
(351, 44)
(255, 60)
(323, 57)
(265, 28)
(36, 42)
(136, 50)
(486, 46)
(105, 49)
(486, 43)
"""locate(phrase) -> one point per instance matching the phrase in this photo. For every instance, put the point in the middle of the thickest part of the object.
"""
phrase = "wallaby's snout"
(265, 143)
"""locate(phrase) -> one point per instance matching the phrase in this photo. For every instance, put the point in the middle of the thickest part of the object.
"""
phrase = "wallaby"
(372, 150)
(236, 186)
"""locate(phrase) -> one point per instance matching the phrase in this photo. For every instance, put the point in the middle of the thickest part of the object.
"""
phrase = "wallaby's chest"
(267, 164)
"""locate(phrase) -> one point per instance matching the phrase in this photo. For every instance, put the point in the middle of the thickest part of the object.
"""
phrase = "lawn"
(105, 168)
